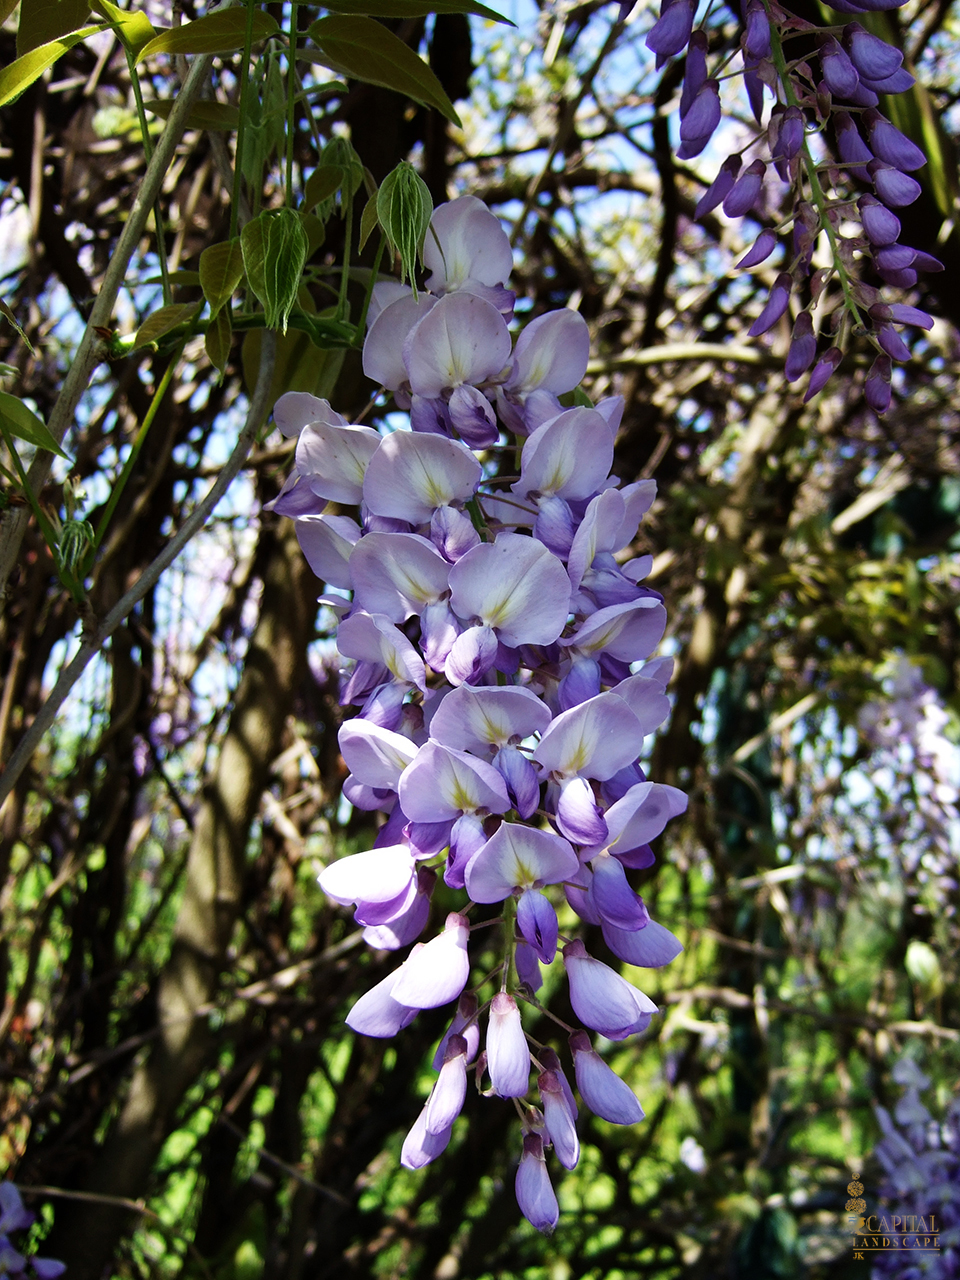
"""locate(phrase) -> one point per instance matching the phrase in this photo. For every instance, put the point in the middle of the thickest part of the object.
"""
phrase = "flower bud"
(894, 188)
(694, 71)
(670, 33)
(756, 35)
(823, 371)
(881, 226)
(892, 343)
(718, 189)
(870, 55)
(776, 306)
(535, 1195)
(763, 246)
(877, 386)
(404, 209)
(745, 192)
(839, 73)
(890, 145)
(803, 348)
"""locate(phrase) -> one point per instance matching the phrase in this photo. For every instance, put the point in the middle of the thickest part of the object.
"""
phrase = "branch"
(148, 579)
(13, 523)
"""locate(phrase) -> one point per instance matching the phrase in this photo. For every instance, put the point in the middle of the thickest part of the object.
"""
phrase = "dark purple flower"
(890, 145)
(763, 246)
(872, 57)
(823, 371)
(704, 114)
(776, 305)
(535, 1195)
(756, 35)
(877, 386)
(892, 343)
(803, 348)
(882, 226)
(694, 70)
(853, 150)
(839, 72)
(718, 189)
(894, 188)
(745, 192)
(671, 31)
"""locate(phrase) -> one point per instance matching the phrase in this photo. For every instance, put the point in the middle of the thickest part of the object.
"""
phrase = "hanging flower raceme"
(834, 92)
(499, 643)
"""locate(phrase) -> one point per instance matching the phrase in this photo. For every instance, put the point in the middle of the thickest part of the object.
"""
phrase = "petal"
(601, 1088)
(420, 1146)
(442, 784)
(569, 456)
(551, 352)
(377, 875)
(397, 574)
(519, 857)
(411, 474)
(479, 720)
(377, 1013)
(471, 655)
(578, 814)
(559, 1120)
(508, 1057)
(446, 1099)
(522, 779)
(535, 1195)
(464, 1023)
(649, 948)
(437, 972)
(616, 902)
(603, 1000)
(537, 921)
(375, 756)
(594, 739)
(629, 631)
(382, 350)
(297, 409)
(374, 638)
(333, 460)
(515, 586)
(327, 543)
(461, 339)
(466, 241)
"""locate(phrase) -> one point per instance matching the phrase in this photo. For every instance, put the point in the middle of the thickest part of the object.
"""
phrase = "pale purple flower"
(508, 1058)
(535, 1195)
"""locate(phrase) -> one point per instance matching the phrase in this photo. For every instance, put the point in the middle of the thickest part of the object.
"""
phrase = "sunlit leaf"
(22, 72)
(218, 338)
(274, 251)
(221, 32)
(411, 8)
(202, 115)
(365, 50)
(165, 320)
(42, 21)
(25, 425)
(132, 25)
(221, 270)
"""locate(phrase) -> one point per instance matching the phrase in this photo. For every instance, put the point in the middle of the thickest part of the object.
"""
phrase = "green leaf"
(133, 26)
(274, 251)
(21, 73)
(404, 208)
(222, 32)
(409, 8)
(321, 184)
(164, 320)
(202, 115)
(24, 423)
(365, 50)
(218, 338)
(221, 270)
(42, 21)
(368, 220)
(188, 279)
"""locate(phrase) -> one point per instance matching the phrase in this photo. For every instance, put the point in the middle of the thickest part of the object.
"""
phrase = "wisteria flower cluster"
(921, 1157)
(919, 769)
(833, 86)
(14, 1217)
(493, 624)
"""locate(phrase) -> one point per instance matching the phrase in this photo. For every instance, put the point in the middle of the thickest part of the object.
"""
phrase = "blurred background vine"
(175, 1074)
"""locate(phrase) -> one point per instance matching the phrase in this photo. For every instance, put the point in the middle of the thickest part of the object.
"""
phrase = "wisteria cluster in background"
(832, 84)
(921, 1157)
(494, 630)
(14, 1218)
(918, 769)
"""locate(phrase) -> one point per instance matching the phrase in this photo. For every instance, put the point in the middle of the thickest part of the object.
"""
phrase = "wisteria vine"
(833, 86)
(494, 631)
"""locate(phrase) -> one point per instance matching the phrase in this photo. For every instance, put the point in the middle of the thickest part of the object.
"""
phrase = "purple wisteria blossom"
(831, 87)
(498, 638)
(14, 1217)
